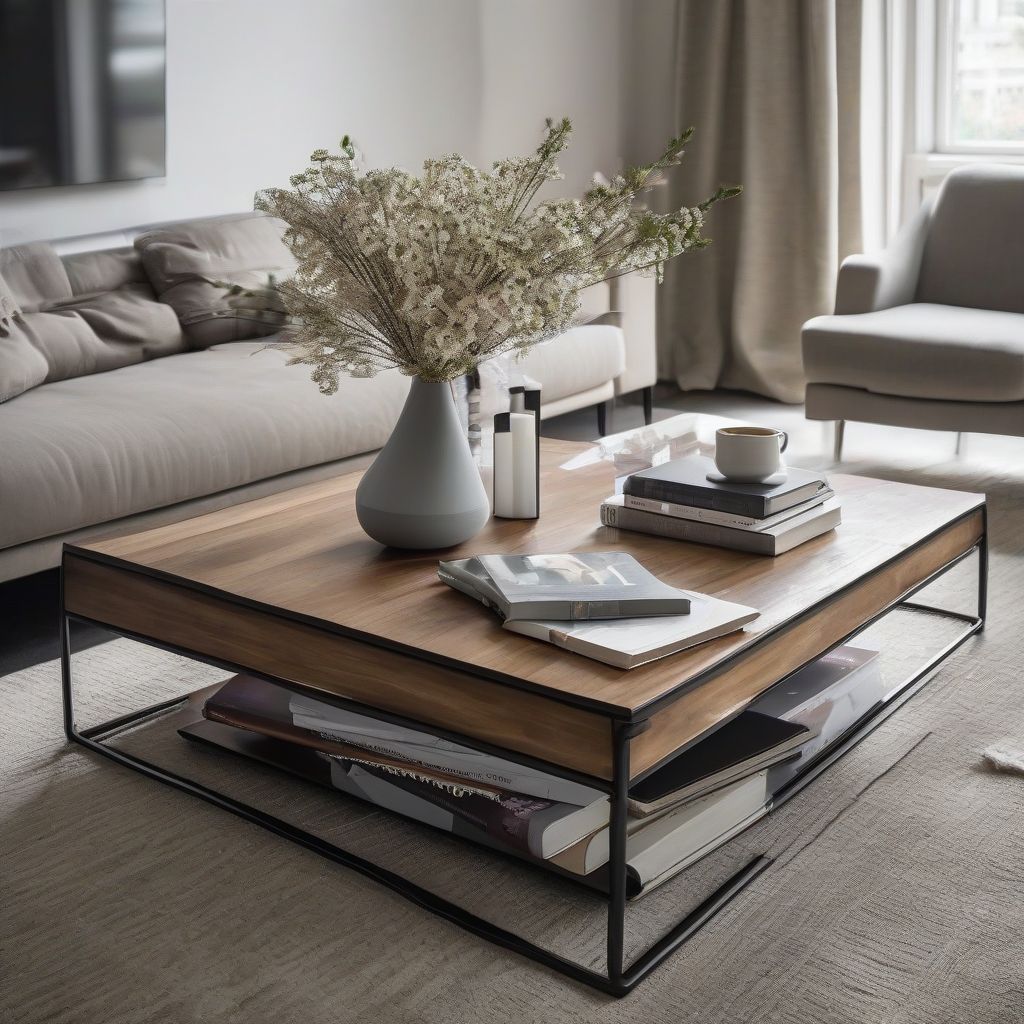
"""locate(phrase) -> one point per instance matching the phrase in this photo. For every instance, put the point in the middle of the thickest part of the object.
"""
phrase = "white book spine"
(719, 518)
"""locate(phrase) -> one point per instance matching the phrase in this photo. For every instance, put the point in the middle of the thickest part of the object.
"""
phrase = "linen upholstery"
(103, 270)
(930, 332)
(61, 332)
(921, 350)
(34, 275)
(45, 552)
(190, 263)
(880, 280)
(974, 254)
(576, 362)
(834, 402)
(594, 303)
(93, 449)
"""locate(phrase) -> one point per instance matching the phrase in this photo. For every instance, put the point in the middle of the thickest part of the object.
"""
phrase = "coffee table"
(288, 588)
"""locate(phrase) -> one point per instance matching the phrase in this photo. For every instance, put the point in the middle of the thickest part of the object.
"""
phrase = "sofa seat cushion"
(579, 360)
(92, 449)
(192, 265)
(921, 350)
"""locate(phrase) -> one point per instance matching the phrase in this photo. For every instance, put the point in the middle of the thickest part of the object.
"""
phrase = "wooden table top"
(302, 552)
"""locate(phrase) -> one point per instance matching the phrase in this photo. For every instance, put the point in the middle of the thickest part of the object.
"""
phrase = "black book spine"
(754, 505)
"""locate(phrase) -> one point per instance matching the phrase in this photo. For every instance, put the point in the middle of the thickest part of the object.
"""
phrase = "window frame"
(943, 36)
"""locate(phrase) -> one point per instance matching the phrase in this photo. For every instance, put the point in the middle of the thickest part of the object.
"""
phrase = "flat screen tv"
(81, 91)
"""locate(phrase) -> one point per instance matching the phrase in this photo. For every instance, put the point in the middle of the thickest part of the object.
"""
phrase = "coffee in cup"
(748, 455)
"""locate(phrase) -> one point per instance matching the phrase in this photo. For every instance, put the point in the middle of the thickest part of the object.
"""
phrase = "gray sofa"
(930, 332)
(133, 394)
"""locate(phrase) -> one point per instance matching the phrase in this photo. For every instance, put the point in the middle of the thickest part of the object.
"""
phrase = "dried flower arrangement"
(433, 274)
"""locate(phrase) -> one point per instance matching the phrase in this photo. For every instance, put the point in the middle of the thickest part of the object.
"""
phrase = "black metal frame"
(620, 978)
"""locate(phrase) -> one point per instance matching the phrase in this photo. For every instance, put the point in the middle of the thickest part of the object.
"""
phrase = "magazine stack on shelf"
(682, 811)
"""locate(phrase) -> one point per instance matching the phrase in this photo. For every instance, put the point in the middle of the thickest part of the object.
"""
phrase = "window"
(980, 80)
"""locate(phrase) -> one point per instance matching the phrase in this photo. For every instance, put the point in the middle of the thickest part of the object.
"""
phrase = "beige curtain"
(773, 89)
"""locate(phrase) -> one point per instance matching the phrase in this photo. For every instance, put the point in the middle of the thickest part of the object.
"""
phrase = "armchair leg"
(959, 441)
(603, 412)
(648, 396)
(837, 450)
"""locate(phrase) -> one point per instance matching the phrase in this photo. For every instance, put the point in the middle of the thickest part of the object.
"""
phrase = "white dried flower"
(433, 274)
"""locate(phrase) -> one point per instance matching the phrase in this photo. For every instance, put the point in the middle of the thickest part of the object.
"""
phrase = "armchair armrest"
(888, 278)
(633, 297)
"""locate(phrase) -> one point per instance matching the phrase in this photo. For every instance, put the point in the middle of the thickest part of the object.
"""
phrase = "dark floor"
(30, 613)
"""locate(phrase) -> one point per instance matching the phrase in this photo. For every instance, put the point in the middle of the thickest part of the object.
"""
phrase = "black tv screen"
(81, 91)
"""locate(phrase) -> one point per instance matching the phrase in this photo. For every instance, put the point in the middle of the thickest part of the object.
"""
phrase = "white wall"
(253, 86)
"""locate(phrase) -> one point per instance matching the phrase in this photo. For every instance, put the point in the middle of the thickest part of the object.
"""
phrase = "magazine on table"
(570, 586)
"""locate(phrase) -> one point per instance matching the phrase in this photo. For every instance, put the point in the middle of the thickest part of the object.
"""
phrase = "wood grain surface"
(302, 554)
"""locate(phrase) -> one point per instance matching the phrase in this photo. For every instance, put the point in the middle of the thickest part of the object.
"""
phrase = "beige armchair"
(930, 332)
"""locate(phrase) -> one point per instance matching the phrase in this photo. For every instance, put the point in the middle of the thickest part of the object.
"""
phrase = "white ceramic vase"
(424, 490)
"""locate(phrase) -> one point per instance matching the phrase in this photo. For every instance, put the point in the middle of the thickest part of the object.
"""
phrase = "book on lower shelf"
(676, 815)
(652, 856)
(248, 702)
(830, 696)
(662, 846)
(750, 742)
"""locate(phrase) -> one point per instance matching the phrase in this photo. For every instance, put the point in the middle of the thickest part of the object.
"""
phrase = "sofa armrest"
(888, 278)
(633, 296)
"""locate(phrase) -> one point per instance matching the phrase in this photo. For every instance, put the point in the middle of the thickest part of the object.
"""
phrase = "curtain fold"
(773, 89)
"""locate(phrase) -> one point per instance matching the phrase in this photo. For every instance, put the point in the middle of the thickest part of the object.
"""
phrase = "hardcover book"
(657, 848)
(246, 702)
(427, 751)
(749, 743)
(541, 828)
(730, 519)
(776, 540)
(685, 482)
(587, 585)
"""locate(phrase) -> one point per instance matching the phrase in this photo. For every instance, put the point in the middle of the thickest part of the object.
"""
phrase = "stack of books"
(676, 815)
(603, 605)
(677, 500)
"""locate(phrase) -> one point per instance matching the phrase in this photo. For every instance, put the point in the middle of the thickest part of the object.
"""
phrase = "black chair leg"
(648, 394)
(604, 410)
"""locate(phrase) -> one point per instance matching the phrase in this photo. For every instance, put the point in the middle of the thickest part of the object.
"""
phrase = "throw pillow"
(204, 269)
(52, 334)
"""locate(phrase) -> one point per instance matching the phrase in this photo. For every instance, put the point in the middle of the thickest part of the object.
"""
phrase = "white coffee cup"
(748, 455)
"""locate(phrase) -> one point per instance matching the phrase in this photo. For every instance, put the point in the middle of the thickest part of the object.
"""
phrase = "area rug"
(895, 894)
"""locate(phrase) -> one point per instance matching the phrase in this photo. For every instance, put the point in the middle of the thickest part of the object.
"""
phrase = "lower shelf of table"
(498, 888)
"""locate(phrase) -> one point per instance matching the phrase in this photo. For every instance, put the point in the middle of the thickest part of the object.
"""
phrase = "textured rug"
(895, 895)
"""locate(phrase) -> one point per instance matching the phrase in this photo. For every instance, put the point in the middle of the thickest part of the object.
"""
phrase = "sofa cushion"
(920, 350)
(975, 246)
(595, 301)
(192, 264)
(580, 359)
(92, 449)
(34, 275)
(103, 270)
(58, 332)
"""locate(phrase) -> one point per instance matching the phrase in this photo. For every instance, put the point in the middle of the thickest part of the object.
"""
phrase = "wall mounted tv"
(81, 91)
